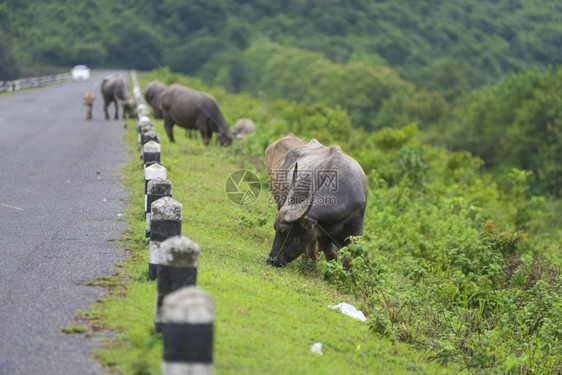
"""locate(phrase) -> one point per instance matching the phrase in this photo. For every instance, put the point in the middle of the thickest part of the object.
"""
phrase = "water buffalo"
(274, 157)
(115, 89)
(192, 109)
(243, 128)
(151, 95)
(327, 197)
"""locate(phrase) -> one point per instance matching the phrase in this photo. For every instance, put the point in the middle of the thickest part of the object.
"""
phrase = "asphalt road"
(59, 201)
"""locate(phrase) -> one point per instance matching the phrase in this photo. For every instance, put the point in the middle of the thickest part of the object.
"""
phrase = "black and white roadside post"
(142, 110)
(143, 120)
(150, 153)
(165, 222)
(148, 134)
(177, 268)
(188, 329)
(153, 171)
(156, 189)
(137, 95)
(147, 128)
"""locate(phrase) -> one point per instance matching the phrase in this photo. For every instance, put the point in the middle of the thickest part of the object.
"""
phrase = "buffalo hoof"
(274, 262)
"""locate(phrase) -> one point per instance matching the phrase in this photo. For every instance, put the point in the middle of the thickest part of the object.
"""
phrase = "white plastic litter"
(316, 348)
(349, 310)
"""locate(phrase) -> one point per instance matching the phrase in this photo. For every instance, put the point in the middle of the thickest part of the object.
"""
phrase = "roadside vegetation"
(266, 318)
(456, 271)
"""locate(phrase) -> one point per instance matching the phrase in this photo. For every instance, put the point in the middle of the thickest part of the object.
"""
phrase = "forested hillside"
(434, 42)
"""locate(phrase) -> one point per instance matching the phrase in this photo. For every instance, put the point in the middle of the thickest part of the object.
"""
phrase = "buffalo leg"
(328, 248)
(312, 251)
(116, 111)
(206, 135)
(105, 105)
(157, 113)
(168, 126)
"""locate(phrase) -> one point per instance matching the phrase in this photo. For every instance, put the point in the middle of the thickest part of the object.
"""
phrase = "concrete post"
(165, 222)
(149, 135)
(156, 189)
(188, 329)
(145, 129)
(150, 153)
(137, 95)
(142, 110)
(177, 268)
(143, 120)
(152, 172)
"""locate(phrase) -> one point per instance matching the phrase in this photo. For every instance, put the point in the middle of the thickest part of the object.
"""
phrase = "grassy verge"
(266, 318)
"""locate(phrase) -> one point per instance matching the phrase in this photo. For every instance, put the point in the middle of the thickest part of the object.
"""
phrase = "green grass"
(73, 328)
(266, 318)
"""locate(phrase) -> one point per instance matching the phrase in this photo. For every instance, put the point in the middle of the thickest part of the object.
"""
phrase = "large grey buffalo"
(192, 109)
(243, 128)
(325, 204)
(151, 95)
(274, 158)
(115, 89)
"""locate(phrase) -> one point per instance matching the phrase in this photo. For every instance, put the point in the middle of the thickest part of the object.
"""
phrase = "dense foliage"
(441, 44)
(373, 95)
(8, 61)
(517, 123)
(448, 262)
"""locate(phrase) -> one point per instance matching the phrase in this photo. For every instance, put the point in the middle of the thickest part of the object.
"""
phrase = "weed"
(73, 329)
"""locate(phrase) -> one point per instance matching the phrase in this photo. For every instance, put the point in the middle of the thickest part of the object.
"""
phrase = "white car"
(80, 73)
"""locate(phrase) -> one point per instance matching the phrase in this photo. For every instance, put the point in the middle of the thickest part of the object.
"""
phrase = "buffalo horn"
(298, 207)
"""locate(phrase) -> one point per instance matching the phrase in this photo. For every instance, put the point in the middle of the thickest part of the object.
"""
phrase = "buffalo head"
(294, 230)
(224, 138)
(129, 108)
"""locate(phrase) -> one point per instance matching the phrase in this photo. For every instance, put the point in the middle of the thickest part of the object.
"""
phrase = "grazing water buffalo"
(327, 197)
(274, 157)
(115, 89)
(192, 109)
(243, 128)
(151, 95)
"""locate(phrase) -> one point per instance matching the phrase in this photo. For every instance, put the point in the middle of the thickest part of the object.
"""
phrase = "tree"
(135, 46)
(8, 61)
(9, 67)
(517, 123)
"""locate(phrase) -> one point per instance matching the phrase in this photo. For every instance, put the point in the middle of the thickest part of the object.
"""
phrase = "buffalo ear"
(295, 171)
(308, 222)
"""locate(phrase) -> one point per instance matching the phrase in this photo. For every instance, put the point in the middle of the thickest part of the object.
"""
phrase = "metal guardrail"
(25, 83)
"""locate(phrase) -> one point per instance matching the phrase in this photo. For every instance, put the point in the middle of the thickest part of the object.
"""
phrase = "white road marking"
(14, 207)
